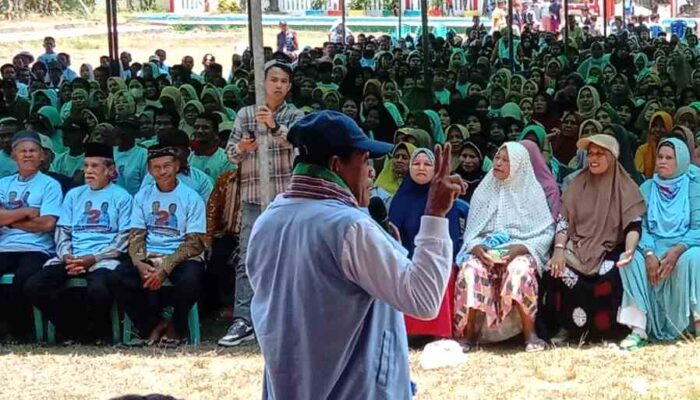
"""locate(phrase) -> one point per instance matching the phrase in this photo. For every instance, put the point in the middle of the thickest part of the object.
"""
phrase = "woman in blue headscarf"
(406, 210)
(436, 125)
(662, 284)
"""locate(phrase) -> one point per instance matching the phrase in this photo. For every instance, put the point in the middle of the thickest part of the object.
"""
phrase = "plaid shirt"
(281, 152)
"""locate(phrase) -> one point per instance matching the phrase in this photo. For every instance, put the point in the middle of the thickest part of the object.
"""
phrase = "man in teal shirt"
(8, 127)
(130, 159)
(207, 155)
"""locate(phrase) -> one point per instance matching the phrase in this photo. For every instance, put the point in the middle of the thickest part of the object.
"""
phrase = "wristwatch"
(276, 128)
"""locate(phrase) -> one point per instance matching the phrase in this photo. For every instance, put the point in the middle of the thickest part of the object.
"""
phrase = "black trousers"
(73, 312)
(145, 306)
(220, 274)
(16, 305)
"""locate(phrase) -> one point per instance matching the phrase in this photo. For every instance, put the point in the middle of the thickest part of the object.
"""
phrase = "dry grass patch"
(595, 372)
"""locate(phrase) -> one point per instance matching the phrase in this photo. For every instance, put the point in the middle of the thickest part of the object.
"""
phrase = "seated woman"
(406, 210)
(597, 230)
(509, 233)
(395, 168)
(662, 284)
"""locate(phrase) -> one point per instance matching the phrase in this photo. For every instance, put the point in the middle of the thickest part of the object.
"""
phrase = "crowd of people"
(581, 214)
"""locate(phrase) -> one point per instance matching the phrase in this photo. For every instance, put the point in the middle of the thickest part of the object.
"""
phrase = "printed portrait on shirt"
(15, 202)
(94, 219)
(163, 221)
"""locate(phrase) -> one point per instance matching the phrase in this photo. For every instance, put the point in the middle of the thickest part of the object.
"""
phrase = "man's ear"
(334, 164)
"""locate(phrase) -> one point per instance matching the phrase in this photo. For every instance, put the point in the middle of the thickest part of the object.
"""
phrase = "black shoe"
(241, 331)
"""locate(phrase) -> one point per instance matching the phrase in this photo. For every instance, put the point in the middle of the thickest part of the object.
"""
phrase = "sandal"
(169, 343)
(633, 342)
(468, 346)
(535, 346)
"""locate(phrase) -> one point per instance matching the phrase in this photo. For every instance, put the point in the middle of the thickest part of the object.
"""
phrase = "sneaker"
(240, 331)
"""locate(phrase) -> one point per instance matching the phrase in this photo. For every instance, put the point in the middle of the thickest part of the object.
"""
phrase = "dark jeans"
(145, 307)
(73, 312)
(220, 274)
(244, 292)
(16, 305)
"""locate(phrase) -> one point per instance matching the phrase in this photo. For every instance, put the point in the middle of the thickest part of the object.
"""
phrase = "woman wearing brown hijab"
(597, 232)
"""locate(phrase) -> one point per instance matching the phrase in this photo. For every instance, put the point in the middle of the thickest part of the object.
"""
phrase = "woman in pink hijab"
(544, 177)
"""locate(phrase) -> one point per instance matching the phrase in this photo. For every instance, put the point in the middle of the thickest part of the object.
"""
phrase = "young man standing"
(91, 237)
(206, 154)
(129, 158)
(50, 55)
(166, 241)
(31, 203)
(278, 117)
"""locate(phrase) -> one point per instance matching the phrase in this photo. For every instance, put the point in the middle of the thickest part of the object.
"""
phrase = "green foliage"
(359, 4)
(390, 4)
(229, 6)
(436, 3)
(318, 4)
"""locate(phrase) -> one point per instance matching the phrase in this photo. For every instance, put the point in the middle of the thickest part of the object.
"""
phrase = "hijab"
(588, 112)
(645, 159)
(184, 126)
(174, 94)
(190, 90)
(473, 178)
(499, 206)
(436, 126)
(598, 209)
(408, 207)
(564, 146)
(627, 143)
(668, 213)
(544, 177)
(387, 180)
(465, 135)
(421, 137)
(683, 111)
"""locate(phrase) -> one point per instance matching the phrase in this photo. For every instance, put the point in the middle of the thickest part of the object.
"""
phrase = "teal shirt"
(95, 217)
(8, 166)
(67, 165)
(443, 96)
(213, 165)
(168, 217)
(39, 191)
(146, 143)
(132, 168)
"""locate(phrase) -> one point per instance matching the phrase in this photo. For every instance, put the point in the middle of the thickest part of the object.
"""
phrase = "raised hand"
(444, 188)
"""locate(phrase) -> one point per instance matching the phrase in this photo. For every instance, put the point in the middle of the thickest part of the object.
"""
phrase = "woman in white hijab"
(508, 238)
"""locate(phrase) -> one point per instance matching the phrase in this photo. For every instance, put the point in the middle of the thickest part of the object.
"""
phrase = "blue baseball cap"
(322, 131)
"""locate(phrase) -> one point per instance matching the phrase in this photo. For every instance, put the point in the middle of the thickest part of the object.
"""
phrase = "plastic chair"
(192, 323)
(8, 279)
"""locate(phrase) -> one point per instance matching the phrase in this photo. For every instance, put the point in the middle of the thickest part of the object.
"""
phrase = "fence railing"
(299, 6)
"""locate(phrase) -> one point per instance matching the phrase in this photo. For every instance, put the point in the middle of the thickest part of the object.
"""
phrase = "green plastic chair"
(8, 279)
(192, 323)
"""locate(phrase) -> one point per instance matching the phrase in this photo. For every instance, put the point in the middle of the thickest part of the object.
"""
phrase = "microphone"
(377, 210)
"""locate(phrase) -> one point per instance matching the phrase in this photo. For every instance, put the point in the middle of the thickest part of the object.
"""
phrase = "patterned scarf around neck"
(314, 182)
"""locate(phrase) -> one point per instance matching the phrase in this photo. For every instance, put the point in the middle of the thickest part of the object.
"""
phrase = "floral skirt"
(493, 291)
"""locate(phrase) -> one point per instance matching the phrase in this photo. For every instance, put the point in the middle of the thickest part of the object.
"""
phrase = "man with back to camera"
(330, 286)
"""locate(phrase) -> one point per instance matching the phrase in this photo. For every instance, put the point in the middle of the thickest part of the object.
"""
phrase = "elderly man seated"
(166, 241)
(30, 204)
(91, 238)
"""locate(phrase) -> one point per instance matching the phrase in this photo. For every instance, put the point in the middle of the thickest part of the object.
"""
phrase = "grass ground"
(196, 43)
(84, 372)
(503, 372)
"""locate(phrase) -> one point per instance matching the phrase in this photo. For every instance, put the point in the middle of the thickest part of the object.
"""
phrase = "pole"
(398, 35)
(624, 15)
(566, 25)
(605, 18)
(262, 137)
(112, 37)
(511, 50)
(342, 9)
(425, 47)
(250, 28)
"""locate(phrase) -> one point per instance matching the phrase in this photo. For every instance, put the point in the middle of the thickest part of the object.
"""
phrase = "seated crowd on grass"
(581, 218)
